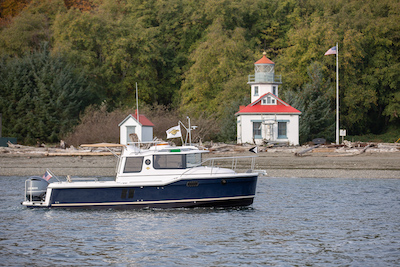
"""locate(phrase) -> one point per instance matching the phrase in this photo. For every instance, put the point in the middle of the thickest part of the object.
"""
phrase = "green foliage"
(217, 61)
(195, 55)
(228, 122)
(390, 136)
(315, 101)
(30, 28)
(368, 38)
(41, 96)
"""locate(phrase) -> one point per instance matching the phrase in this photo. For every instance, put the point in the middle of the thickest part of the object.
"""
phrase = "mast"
(137, 104)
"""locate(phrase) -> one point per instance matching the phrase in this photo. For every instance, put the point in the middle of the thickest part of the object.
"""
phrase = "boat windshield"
(193, 160)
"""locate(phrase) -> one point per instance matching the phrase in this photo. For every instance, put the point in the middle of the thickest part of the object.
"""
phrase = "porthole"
(223, 182)
(147, 162)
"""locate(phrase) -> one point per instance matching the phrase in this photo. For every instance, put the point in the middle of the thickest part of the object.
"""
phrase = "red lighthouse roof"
(281, 107)
(264, 60)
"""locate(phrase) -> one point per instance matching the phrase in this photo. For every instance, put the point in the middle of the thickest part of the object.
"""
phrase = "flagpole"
(337, 93)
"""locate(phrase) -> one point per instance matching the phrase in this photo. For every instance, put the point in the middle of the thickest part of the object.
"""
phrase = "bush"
(98, 125)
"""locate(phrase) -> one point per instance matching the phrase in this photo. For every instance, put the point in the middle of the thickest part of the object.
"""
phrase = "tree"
(314, 100)
(222, 56)
(41, 96)
(30, 28)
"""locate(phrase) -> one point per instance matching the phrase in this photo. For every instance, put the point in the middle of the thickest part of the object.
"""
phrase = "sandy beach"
(370, 164)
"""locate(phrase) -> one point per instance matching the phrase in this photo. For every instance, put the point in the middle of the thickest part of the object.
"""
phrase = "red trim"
(280, 107)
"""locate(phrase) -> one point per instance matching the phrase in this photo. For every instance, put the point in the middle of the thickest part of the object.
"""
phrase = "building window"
(257, 130)
(264, 101)
(268, 100)
(282, 130)
(274, 90)
(256, 90)
(129, 130)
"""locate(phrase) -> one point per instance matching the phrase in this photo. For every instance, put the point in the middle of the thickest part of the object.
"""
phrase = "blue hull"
(221, 192)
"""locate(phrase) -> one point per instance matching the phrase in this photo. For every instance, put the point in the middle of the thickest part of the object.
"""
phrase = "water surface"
(293, 222)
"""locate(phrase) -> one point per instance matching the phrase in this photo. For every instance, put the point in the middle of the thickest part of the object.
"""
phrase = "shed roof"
(143, 120)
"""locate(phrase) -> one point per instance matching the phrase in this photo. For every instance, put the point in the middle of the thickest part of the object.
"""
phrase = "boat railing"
(75, 179)
(225, 162)
(157, 144)
(213, 162)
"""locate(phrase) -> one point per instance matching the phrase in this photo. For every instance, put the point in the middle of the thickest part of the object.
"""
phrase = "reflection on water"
(349, 222)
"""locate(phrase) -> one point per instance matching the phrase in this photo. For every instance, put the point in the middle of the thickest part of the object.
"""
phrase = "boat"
(155, 175)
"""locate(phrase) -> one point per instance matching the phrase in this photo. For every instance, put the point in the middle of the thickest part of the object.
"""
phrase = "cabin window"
(169, 161)
(193, 160)
(133, 164)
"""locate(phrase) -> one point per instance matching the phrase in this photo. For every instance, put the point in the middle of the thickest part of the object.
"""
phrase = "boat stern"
(36, 192)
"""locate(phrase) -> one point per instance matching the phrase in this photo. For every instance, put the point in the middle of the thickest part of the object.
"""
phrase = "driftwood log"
(301, 153)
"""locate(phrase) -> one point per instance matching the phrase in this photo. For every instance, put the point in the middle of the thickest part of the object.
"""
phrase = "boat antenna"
(188, 131)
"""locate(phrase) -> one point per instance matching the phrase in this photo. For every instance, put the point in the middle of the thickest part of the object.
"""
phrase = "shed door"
(129, 130)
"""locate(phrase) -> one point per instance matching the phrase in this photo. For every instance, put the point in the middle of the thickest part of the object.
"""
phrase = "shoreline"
(276, 164)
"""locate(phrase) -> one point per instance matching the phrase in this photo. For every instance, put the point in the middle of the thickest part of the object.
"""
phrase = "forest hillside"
(192, 57)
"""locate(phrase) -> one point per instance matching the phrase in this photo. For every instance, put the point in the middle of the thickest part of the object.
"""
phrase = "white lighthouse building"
(267, 119)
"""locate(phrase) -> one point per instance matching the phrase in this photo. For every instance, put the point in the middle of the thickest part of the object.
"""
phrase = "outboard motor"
(35, 188)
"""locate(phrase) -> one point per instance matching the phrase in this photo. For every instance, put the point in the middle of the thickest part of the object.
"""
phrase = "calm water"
(293, 222)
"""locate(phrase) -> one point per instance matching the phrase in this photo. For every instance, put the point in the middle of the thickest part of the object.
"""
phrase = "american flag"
(47, 176)
(331, 51)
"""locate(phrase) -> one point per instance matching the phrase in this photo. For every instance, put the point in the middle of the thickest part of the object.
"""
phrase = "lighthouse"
(264, 79)
(267, 119)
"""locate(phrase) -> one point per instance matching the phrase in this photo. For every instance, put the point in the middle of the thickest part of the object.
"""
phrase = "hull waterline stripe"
(150, 202)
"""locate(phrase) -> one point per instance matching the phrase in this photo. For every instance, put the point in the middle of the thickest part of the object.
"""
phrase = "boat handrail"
(72, 179)
(156, 143)
(234, 163)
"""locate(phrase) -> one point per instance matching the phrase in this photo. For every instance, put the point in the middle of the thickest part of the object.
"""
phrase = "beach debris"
(301, 153)
(346, 149)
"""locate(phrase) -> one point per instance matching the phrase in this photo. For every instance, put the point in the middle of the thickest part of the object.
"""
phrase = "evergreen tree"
(314, 100)
(41, 96)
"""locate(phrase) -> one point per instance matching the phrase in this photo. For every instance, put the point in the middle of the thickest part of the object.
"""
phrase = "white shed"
(143, 128)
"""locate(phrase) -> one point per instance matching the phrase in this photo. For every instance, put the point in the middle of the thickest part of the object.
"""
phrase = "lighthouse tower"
(264, 79)
(267, 119)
